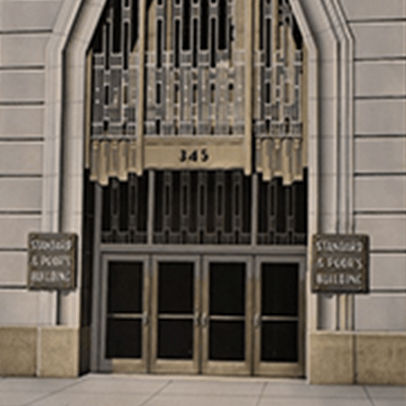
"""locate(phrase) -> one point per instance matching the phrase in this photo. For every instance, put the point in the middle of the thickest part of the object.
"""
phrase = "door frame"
(157, 365)
(124, 365)
(201, 254)
(279, 369)
(227, 367)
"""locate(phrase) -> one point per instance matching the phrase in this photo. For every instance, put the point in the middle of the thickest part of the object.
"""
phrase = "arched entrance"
(197, 149)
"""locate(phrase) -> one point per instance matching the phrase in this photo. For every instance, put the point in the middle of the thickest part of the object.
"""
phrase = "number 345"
(196, 155)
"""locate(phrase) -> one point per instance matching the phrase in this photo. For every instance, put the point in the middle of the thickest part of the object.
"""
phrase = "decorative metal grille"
(282, 212)
(278, 102)
(194, 71)
(125, 211)
(115, 71)
(202, 207)
(190, 79)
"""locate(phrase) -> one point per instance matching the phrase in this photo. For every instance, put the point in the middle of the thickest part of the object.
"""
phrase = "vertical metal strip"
(187, 202)
(223, 206)
(146, 299)
(248, 87)
(257, 313)
(204, 206)
(249, 305)
(274, 62)
(169, 25)
(199, 207)
(237, 225)
(154, 313)
(132, 209)
(96, 338)
(273, 191)
(254, 209)
(139, 164)
(150, 208)
(288, 208)
(114, 207)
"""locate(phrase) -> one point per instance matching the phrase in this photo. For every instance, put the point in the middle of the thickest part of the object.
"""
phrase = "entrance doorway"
(209, 314)
(198, 272)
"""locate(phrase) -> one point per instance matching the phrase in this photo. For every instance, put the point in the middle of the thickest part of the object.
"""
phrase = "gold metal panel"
(251, 88)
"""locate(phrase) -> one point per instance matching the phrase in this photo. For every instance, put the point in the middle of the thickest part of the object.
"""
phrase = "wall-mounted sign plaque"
(340, 263)
(52, 261)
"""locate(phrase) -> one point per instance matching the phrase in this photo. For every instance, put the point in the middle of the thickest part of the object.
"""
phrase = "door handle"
(257, 320)
(203, 321)
(197, 319)
(145, 318)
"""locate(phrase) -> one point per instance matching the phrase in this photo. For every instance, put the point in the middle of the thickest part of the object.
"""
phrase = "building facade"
(194, 148)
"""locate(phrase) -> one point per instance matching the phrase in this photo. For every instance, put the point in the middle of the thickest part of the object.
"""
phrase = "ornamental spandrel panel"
(197, 72)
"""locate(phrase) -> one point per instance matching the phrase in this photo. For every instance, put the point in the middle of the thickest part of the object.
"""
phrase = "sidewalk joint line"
(261, 394)
(368, 395)
(155, 394)
(33, 402)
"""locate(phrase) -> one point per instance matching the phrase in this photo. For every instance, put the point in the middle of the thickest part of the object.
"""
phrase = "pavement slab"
(165, 390)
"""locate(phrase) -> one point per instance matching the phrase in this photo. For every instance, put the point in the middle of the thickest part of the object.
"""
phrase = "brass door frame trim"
(237, 368)
(123, 365)
(174, 366)
(285, 369)
(222, 250)
(201, 364)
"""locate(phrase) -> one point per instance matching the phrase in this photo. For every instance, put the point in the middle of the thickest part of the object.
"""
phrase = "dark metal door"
(279, 316)
(226, 318)
(175, 336)
(125, 315)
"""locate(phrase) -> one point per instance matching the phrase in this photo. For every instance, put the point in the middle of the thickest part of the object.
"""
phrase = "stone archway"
(329, 116)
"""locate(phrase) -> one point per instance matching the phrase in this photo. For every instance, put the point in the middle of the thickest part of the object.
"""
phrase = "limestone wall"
(25, 29)
(379, 31)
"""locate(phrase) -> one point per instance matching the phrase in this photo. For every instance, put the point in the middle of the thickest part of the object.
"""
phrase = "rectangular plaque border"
(73, 253)
(362, 289)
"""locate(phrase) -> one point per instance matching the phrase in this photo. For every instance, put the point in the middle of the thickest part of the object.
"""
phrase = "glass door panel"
(175, 312)
(278, 319)
(279, 341)
(124, 338)
(124, 306)
(226, 340)
(279, 289)
(226, 316)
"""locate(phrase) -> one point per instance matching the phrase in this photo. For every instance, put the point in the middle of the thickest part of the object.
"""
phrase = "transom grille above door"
(124, 208)
(203, 207)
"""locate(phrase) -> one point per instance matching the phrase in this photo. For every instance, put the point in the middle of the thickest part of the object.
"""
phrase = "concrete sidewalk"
(150, 390)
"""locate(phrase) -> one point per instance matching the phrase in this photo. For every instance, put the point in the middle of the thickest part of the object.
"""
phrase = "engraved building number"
(195, 155)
